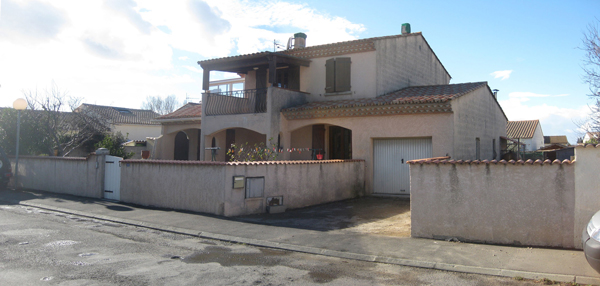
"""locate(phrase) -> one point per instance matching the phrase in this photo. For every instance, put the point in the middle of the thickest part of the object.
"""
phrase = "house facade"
(135, 124)
(528, 132)
(385, 100)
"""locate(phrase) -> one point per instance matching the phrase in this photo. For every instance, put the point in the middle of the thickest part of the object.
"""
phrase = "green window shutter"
(342, 74)
(330, 75)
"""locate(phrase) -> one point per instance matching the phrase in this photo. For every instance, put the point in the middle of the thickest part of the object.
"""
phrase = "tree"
(114, 144)
(161, 105)
(61, 131)
(31, 143)
(591, 68)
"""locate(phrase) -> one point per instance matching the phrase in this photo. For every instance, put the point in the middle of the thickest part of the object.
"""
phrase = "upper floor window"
(337, 75)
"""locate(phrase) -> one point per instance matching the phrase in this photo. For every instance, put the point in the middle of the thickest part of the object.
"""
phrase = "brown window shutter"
(342, 74)
(330, 75)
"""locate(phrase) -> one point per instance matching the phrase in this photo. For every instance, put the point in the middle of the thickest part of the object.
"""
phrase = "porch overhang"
(245, 63)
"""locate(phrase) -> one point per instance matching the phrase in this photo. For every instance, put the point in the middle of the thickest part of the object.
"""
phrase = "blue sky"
(117, 52)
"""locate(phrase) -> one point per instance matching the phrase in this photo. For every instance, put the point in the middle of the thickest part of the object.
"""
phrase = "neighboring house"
(559, 139)
(135, 124)
(385, 100)
(528, 132)
(591, 136)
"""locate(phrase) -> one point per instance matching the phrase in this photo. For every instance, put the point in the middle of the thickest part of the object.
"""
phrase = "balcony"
(236, 102)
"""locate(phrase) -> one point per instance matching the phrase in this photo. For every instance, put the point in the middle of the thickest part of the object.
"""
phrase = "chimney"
(495, 93)
(405, 29)
(299, 41)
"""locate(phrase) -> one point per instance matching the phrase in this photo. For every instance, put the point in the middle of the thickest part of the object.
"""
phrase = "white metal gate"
(390, 171)
(112, 178)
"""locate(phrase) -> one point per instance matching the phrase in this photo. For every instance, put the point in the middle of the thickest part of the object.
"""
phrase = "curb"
(332, 253)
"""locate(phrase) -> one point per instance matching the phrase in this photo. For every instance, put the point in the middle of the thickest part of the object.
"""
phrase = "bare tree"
(591, 68)
(64, 128)
(161, 105)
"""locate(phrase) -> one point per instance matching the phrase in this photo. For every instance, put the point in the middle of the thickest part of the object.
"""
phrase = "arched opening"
(223, 139)
(182, 146)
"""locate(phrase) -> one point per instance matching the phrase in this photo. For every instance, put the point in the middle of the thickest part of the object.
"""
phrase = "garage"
(390, 172)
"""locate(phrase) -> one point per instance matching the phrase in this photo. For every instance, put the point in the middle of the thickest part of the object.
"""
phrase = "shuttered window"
(337, 75)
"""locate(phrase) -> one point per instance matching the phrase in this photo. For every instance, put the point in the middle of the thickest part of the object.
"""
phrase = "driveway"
(368, 215)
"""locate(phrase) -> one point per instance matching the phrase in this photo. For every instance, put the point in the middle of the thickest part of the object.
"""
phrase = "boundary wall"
(533, 203)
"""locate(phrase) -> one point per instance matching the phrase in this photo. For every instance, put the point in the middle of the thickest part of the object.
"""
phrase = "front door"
(182, 146)
(112, 178)
(390, 171)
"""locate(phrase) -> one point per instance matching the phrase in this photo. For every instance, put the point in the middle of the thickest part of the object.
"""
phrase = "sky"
(118, 52)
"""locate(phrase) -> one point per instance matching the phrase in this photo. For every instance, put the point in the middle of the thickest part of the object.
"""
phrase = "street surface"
(40, 247)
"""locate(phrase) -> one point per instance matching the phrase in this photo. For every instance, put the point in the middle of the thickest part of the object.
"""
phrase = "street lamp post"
(19, 104)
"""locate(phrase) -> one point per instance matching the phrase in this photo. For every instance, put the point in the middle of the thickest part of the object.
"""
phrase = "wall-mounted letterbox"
(238, 182)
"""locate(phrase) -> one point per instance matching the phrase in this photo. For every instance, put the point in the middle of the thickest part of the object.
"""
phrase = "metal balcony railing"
(236, 102)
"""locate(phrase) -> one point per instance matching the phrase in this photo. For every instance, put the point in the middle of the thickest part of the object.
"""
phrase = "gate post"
(100, 166)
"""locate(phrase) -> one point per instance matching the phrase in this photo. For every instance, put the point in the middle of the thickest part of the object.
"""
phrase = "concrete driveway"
(368, 215)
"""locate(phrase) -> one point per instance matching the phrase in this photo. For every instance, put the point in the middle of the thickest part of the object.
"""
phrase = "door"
(390, 171)
(182, 146)
(112, 178)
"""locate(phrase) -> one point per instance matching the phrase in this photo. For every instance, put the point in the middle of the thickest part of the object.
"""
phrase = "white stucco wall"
(406, 61)
(207, 186)
(537, 141)
(521, 204)
(477, 115)
(137, 132)
(74, 176)
(362, 77)
(587, 187)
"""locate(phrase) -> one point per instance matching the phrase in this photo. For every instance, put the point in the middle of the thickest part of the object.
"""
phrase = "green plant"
(114, 144)
(257, 152)
(519, 278)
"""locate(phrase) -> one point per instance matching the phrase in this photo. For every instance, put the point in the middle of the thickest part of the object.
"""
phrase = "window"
(337, 75)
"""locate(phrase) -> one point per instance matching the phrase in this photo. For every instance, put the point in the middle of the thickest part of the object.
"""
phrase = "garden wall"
(71, 175)
(203, 186)
(530, 203)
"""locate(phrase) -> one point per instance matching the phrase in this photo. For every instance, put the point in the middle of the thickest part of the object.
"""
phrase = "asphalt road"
(40, 247)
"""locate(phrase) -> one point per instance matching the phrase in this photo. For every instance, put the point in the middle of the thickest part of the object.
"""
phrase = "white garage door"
(390, 171)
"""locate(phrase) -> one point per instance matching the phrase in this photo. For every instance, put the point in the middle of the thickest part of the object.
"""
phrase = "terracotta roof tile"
(190, 110)
(120, 115)
(494, 162)
(408, 95)
(179, 162)
(521, 129)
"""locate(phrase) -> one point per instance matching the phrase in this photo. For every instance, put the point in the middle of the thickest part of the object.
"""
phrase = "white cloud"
(555, 120)
(194, 69)
(502, 74)
(526, 95)
(117, 52)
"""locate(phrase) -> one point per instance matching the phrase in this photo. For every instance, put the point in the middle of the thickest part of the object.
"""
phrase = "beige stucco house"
(385, 100)
(136, 124)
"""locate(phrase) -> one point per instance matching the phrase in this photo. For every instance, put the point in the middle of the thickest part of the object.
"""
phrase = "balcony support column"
(272, 70)
(206, 80)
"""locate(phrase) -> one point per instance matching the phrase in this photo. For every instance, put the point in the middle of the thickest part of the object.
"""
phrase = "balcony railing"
(236, 102)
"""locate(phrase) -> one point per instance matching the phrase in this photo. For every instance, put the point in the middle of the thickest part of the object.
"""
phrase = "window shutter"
(330, 75)
(342, 74)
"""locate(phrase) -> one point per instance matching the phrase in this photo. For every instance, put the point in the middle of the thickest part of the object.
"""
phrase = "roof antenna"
(276, 45)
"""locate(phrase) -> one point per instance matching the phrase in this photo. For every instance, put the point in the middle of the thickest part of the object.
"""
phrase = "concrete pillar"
(100, 166)
(286, 142)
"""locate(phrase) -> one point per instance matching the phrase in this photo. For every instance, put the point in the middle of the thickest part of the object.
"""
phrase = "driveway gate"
(112, 178)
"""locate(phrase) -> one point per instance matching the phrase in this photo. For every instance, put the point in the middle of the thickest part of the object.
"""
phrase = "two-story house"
(386, 100)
